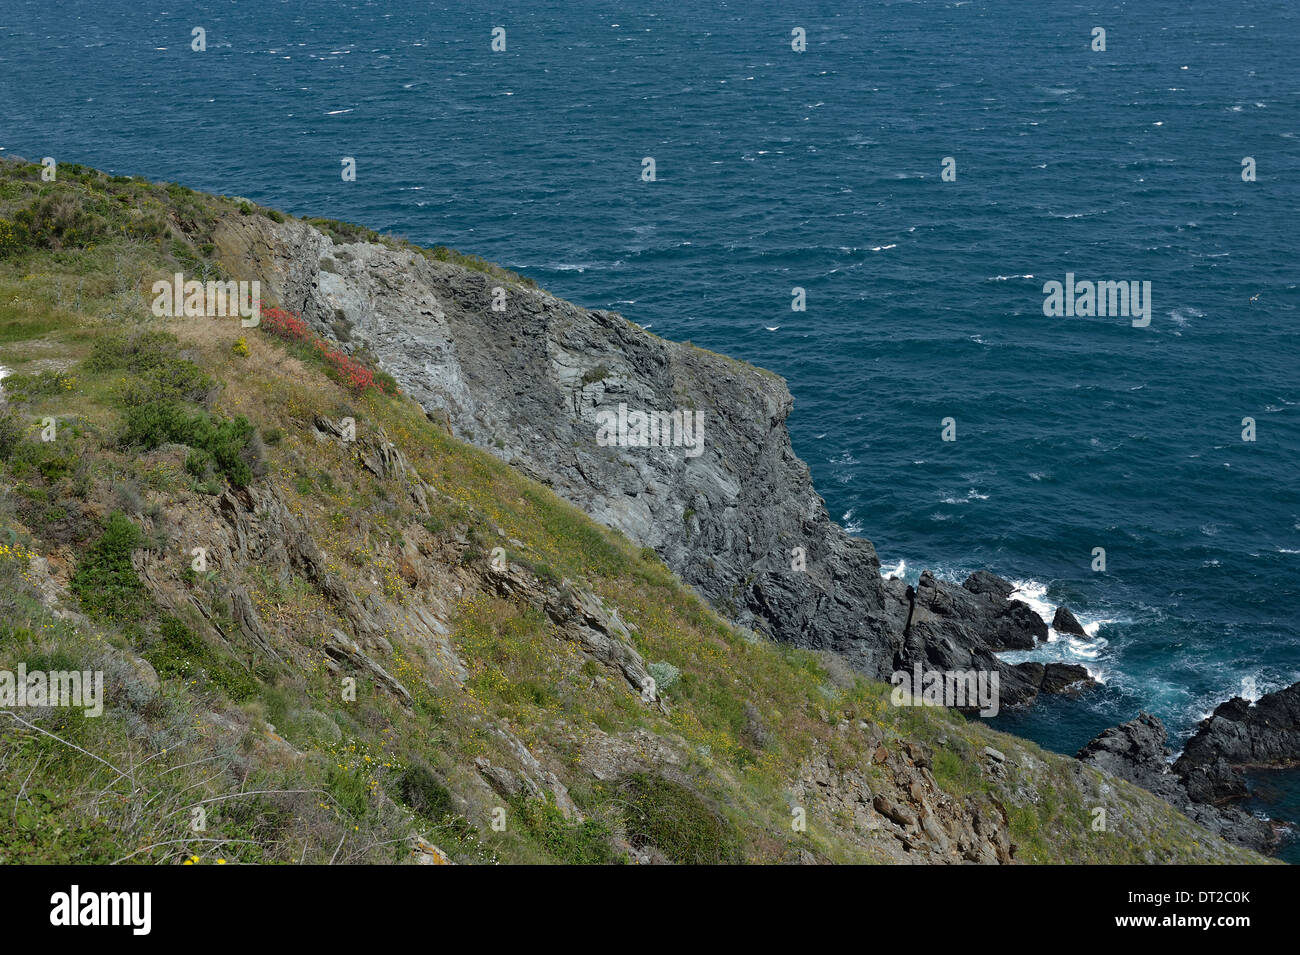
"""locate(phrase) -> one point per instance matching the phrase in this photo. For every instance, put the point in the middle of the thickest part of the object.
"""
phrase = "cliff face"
(526, 383)
(529, 380)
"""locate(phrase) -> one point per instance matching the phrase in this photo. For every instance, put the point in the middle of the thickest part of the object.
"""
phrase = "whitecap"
(897, 571)
(971, 495)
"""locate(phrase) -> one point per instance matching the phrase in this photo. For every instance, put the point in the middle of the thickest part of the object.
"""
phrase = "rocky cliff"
(527, 376)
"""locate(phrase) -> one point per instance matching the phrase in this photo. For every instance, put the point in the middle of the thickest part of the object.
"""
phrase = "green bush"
(46, 826)
(658, 812)
(58, 221)
(350, 791)
(52, 460)
(171, 380)
(157, 371)
(11, 239)
(420, 789)
(105, 581)
(227, 447)
(11, 433)
(665, 675)
(24, 388)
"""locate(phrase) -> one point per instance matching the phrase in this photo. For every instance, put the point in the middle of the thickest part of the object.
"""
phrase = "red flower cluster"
(352, 373)
(289, 326)
(286, 325)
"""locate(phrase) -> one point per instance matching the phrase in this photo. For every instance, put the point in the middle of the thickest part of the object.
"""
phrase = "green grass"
(181, 653)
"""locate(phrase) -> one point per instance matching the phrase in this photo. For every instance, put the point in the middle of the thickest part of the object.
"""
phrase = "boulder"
(1064, 622)
(983, 582)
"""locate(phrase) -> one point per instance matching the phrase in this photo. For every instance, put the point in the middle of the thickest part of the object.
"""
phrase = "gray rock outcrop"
(739, 520)
(1136, 751)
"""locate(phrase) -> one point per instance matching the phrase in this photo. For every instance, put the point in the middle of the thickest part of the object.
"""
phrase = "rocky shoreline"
(1207, 781)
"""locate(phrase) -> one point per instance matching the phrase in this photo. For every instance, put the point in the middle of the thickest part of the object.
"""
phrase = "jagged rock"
(424, 852)
(246, 619)
(1135, 751)
(608, 757)
(507, 783)
(582, 615)
(983, 582)
(954, 629)
(1066, 678)
(1238, 735)
(533, 779)
(1064, 622)
(894, 812)
(1266, 733)
(1056, 677)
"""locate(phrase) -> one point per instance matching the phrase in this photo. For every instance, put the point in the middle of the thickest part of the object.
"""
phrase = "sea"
(920, 169)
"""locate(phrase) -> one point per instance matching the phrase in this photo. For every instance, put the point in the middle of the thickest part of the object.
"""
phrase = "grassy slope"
(350, 781)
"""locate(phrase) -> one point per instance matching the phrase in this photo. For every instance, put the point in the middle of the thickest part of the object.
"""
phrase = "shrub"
(58, 221)
(584, 843)
(132, 351)
(157, 370)
(228, 447)
(665, 675)
(664, 814)
(351, 372)
(420, 789)
(287, 326)
(51, 460)
(350, 791)
(11, 241)
(24, 388)
(11, 433)
(105, 581)
(347, 370)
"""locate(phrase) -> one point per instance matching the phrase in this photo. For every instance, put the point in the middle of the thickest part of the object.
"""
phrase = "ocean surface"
(821, 170)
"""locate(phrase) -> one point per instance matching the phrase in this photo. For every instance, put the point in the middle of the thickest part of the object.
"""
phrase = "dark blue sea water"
(822, 170)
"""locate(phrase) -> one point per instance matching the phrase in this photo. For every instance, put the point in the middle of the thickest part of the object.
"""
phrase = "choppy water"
(822, 170)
